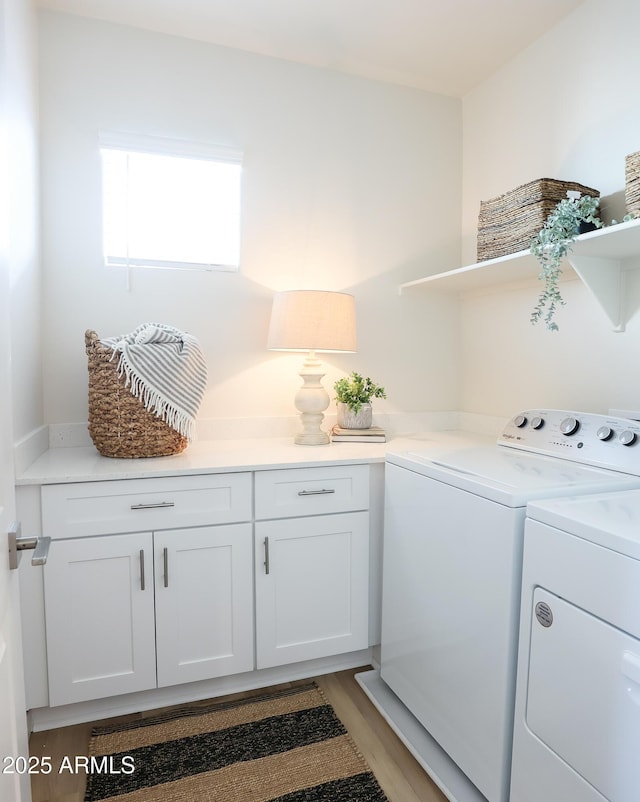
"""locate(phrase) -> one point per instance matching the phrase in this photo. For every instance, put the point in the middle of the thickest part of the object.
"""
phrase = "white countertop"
(85, 464)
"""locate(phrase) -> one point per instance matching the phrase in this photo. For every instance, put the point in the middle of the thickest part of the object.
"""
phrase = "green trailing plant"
(552, 243)
(354, 391)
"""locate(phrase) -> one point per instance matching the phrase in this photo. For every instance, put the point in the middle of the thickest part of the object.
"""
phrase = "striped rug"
(287, 746)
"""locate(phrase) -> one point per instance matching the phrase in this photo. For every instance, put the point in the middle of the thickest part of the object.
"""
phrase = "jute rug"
(287, 746)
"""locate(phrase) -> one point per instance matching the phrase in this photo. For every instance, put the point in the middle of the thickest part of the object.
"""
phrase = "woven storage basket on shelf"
(119, 424)
(632, 183)
(508, 223)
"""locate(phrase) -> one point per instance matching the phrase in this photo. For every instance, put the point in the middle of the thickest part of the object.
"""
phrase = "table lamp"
(312, 320)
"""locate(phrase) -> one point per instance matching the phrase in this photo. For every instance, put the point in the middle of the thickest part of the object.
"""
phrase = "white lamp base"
(311, 401)
(312, 434)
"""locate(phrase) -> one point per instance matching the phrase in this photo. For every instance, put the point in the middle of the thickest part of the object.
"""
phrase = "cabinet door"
(204, 602)
(312, 592)
(99, 617)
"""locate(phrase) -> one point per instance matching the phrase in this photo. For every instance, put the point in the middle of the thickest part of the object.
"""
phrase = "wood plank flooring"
(399, 775)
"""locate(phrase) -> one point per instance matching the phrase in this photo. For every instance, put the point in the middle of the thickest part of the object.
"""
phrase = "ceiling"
(444, 46)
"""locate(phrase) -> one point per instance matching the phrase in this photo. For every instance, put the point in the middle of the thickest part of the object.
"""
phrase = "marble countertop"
(85, 464)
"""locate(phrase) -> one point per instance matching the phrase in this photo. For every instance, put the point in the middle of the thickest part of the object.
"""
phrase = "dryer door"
(583, 695)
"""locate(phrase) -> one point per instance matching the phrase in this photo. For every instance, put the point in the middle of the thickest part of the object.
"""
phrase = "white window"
(168, 203)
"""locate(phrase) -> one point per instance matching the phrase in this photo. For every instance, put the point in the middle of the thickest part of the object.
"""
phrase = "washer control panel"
(599, 440)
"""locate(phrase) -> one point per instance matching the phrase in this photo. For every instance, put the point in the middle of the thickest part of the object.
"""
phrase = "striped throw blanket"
(165, 369)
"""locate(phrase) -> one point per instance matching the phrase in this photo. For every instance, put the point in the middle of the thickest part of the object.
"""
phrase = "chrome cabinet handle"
(322, 492)
(156, 506)
(266, 555)
(142, 583)
(165, 559)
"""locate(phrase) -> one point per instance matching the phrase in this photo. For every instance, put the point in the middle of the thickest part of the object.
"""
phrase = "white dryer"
(453, 538)
(577, 721)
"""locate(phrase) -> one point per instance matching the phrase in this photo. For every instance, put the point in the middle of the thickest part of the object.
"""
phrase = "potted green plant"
(552, 243)
(354, 394)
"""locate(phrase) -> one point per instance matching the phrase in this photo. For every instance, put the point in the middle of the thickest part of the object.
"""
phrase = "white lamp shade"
(312, 320)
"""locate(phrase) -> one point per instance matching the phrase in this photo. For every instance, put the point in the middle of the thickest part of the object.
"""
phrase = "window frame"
(184, 149)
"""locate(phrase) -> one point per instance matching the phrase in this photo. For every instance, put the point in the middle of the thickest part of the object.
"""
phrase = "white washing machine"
(453, 539)
(577, 721)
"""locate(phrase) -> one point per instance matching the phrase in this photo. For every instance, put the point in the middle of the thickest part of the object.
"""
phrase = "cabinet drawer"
(311, 491)
(134, 505)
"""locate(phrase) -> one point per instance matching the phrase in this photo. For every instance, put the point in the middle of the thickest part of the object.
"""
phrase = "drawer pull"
(142, 583)
(325, 491)
(165, 559)
(157, 506)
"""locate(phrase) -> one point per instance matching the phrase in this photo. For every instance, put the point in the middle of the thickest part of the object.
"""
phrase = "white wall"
(20, 215)
(566, 108)
(349, 185)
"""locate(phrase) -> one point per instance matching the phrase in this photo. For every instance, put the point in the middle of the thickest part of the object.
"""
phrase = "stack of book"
(374, 434)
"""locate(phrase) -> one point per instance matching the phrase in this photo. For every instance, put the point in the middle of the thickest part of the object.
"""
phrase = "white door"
(204, 602)
(312, 587)
(99, 607)
(14, 784)
(14, 787)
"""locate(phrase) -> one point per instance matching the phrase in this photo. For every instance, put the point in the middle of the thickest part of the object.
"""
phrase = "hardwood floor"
(399, 775)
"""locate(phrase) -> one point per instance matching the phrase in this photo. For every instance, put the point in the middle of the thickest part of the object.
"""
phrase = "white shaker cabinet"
(186, 580)
(312, 563)
(132, 611)
(204, 603)
(100, 617)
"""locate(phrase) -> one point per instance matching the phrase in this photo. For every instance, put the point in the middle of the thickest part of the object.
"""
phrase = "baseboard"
(46, 718)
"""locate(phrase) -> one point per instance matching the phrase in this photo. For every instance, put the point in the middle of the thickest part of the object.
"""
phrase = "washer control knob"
(627, 438)
(569, 426)
(519, 421)
(605, 433)
(537, 422)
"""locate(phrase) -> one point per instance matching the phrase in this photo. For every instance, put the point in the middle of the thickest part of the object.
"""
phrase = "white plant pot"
(348, 419)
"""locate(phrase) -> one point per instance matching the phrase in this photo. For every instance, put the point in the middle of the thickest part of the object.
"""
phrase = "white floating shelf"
(502, 270)
(599, 258)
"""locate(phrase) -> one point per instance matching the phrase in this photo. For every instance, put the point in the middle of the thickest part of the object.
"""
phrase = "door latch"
(39, 545)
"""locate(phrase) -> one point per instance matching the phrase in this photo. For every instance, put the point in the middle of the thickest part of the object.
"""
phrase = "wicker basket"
(632, 183)
(119, 424)
(508, 223)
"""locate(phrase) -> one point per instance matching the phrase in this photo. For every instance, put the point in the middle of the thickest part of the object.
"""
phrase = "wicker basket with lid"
(508, 223)
(632, 183)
